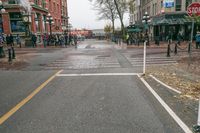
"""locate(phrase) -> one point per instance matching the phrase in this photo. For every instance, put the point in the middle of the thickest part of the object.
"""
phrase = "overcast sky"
(83, 16)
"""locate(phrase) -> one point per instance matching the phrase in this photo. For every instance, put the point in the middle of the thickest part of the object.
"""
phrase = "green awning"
(170, 19)
(134, 30)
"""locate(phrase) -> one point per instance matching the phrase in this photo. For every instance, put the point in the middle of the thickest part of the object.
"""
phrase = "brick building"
(11, 21)
(167, 16)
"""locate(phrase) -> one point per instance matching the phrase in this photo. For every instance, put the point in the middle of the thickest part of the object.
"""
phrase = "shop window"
(16, 22)
(37, 22)
(13, 2)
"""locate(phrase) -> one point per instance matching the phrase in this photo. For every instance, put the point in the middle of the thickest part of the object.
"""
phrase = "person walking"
(34, 39)
(2, 53)
(75, 40)
(197, 40)
(18, 40)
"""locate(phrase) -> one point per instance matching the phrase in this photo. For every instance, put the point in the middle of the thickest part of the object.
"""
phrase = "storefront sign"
(168, 3)
(194, 9)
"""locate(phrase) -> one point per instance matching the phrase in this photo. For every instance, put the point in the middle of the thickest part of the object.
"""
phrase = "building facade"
(167, 17)
(12, 22)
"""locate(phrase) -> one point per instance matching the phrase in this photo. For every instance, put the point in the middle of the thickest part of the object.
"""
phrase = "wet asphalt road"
(87, 104)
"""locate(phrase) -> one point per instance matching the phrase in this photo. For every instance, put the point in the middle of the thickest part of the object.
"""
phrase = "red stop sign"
(194, 9)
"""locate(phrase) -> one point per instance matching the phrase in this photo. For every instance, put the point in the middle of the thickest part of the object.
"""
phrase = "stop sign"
(194, 9)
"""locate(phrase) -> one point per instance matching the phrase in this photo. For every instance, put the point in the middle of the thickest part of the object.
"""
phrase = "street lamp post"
(146, 20)
(50, 21)
(2, 53)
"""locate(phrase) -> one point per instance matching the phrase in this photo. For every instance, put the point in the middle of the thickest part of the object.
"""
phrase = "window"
(13, 2)
(43, 4)
(36, 2)
(178, 5)
(37, 22)
(16, 22)
(155, 7)
(161, 4)
(44, 23)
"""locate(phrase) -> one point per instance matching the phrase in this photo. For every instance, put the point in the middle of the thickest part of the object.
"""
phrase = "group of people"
(47, 40)
(59, 40)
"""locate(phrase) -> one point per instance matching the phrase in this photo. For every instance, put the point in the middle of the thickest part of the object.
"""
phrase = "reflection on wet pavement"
(87, 56)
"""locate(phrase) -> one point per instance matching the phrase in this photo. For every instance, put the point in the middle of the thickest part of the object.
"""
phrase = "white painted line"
(154, 62)
(135, 64)
(152, 59)
(198, 122)
(97, 74)
(169, 87)
(185, 128)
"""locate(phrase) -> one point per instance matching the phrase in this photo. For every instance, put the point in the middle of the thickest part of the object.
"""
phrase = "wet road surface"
(90, 103)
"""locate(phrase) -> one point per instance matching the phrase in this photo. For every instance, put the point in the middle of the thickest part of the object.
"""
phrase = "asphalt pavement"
(94, 93)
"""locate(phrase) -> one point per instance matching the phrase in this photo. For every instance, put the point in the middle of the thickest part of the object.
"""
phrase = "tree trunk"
(113, 25)
(120, 16)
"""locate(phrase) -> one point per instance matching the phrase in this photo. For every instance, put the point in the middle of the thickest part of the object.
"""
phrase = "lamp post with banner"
(145, 20)
(2, 53)
(50, 21)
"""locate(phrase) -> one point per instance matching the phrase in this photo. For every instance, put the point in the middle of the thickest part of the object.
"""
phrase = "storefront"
(171, 24)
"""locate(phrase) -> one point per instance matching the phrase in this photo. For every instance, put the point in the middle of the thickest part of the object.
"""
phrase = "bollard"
(189, 47)
(13, 53)
(168, 49)
(175, 49)
(9, 55)
(196, 128)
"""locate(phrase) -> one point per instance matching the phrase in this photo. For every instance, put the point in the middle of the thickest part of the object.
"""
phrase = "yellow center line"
(28, 98)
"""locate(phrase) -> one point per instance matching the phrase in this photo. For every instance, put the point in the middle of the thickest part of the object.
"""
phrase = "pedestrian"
(179, 38)
(44, 38)
(11, 40)
(75, 40)
(33, 40)
(62, 39)
(18, 40)
(197, 40)
(127, 39)
(2, 53)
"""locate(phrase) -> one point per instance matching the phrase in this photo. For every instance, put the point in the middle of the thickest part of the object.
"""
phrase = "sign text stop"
(194, 9)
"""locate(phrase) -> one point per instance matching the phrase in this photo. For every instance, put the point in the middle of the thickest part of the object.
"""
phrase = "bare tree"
(119, 5)
(106, 10)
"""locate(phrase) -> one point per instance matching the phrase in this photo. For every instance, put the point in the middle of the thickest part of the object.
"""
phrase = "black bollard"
(189, 47)
(175, 49)
(168, 49)
(196, 129)
(13, 53)
(9, 55)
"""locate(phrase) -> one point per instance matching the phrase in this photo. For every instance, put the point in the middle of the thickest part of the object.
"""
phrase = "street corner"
(183, 76)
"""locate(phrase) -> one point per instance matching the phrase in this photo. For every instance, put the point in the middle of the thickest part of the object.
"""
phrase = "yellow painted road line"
(28, 98)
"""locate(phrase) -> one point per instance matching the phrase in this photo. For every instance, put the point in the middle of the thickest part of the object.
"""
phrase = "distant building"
(12, 20)
(84, 32)
(98, 33)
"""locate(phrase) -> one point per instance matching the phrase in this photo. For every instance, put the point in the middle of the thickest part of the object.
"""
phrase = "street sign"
(168, 3)
(194, 9)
